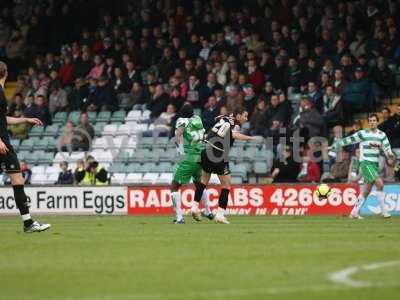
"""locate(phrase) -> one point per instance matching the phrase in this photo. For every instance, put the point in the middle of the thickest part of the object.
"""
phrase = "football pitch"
(135, 258)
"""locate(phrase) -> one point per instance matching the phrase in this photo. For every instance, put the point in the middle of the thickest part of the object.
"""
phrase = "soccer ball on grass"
(323, 191)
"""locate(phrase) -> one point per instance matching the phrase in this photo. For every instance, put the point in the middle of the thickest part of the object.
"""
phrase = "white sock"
(220, 212)
(358, 205)
(195, 206)
(206, 202)
(26, 217)
(176, 200)
(381, 199)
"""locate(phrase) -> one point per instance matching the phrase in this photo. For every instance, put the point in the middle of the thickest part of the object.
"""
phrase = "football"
(323, 191)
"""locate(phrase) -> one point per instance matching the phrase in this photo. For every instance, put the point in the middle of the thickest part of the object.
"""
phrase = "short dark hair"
(238, 111)
(373, 115)
(3, 70)
(387, 109)
(186, 111)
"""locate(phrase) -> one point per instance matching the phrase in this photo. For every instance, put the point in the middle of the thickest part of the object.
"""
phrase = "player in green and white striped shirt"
(372, 142)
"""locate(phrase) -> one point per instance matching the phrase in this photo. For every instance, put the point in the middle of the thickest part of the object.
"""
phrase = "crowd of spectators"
(294, 64)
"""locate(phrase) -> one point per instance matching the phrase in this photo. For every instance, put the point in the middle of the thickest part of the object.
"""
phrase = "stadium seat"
(214, 179)
(76, 155)
(23, 154)
(102, 156)
(74, 117)
(236, 180)
(168, 155)
(52, 178)
(133, 168)
(38, 169)
(60, 118)
(52, 130)
(52, 143)
(118, 168)
(54, 169)
(146, 142)
(236, 154)
(123, 156)
(239, 170)
(250, 153)
(41, 144)
(15, 143)
(100, 143)
(260, 167)
(150, 178)
(118, 178)
(133, 178)
(103, 116)
(46, 158)
(110, 129)
(98, 128)
(164, 167)
(34, 157)
(60, 157)
(125, 130)
(161, 142)
(36, 131)
(139, 155)
(39, 179)
(146, 115)
(165, 178)
(92, 116)
(134, 116)
(26, 145)
(118, 116)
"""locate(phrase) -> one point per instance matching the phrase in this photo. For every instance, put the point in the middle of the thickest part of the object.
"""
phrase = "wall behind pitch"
(68, 200)
(392, 201)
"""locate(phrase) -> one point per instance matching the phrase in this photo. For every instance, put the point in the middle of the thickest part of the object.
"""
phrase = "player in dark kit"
(214, 159)
(9, 161)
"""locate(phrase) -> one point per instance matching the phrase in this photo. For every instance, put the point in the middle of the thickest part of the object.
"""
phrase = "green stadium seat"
(34, 157)
(22, 155)
(74, 117)
(15, 143)
(118, 168)
(148, 167)
(146, 142)
(36, 131)
(52, 130)
(41, 144)
(52, 143)
(239, 170)
(260, 167)
(250, 153)
(60, 118)
(103, 116)
(161, 142)
(168, 155)
(98, 128)
(236, 180)
(118, 116)
(27, 144)
(133, 168)
(165, 167)
(139, 155)
(46, 158)
(123, 157)
(92, 116)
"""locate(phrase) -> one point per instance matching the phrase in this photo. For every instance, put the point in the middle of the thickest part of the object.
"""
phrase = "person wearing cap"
(357, 93)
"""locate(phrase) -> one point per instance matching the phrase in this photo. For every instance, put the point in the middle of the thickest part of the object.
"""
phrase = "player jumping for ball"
(9, 160)
(372, 143)
(189, 135)
(214, 159)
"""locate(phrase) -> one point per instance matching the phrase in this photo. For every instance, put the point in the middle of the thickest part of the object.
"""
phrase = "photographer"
(90, 173)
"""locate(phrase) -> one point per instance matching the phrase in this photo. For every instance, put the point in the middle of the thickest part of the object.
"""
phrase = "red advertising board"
(283, 199)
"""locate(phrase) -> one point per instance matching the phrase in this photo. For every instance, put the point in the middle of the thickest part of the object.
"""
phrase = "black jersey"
(3, 117)
(220, 136)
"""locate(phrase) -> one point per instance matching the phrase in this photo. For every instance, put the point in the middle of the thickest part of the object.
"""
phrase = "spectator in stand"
(309, 121)
(90, 173)
(83, 134)
(58, 99)
(285, 108)
(210, 112)
(158, 102)
(340, 83)
(340, 169)
(66, 72)
(273, 111)
(268, 91)
(285, 169)
(163, 124)
(38, 109)
(17, 104)
(357, 93)
(315, 95)
(79, 93)
(294, 76)
(98, 70)
(22, 87)
(65, 176)
(332, 109)
(120, 83)
(384, 79)
(396, 132)
(175, 98)
(83, 65)
(257, 119)
(387, 125)
(193, 95)
(132, 73)
(103, 97)
(65, 142)
(309, 170)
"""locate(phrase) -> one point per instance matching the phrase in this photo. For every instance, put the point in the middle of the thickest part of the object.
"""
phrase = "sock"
(206, 202)
(358, 205)
(381, 199)
(223, 198)
(22, 204)
(176, 200)
(220, 212)
(197, 196)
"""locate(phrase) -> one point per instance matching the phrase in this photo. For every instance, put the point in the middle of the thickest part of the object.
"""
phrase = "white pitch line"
(344, 276)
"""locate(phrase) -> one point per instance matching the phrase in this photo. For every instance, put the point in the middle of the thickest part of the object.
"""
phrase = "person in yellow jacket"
(90, 173)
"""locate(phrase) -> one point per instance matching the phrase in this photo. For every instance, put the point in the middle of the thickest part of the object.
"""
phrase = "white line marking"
(344, 276)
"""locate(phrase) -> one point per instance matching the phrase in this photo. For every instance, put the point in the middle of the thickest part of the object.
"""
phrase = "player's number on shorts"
(221, 128)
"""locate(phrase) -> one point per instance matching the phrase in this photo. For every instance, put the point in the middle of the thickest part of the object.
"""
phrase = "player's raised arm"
(352, 139)
(242, 137)
(14, 121)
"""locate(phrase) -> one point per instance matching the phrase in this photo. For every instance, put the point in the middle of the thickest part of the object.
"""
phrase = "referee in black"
(9, 161)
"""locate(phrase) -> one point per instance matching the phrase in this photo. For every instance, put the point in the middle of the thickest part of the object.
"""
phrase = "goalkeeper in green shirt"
(189, 132)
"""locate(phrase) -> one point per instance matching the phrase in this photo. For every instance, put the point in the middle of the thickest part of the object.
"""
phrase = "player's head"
(373, 121)
(240, 115)
(3, 71)
(186, 111)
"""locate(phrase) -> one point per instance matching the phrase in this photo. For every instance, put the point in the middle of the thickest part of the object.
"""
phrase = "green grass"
(146, 258)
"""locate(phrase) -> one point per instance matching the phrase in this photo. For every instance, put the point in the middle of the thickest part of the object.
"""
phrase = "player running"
(214, 159)
(372, 142)
(9, 161)
(189, 135)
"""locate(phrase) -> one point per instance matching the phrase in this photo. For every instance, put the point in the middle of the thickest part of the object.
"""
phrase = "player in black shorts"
(9, 161)
(214, 159)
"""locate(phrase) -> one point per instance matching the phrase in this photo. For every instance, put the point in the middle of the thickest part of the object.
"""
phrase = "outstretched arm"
(242, 137)
(14, 121)
(352, 139)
